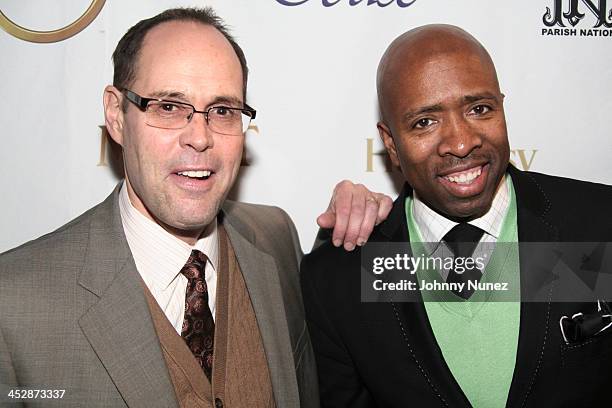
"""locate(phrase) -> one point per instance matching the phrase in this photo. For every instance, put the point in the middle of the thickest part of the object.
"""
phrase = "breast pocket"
(593, 352)
(584, 375)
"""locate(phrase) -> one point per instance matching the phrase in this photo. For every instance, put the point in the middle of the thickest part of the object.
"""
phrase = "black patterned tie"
(462, 241)
(198, 324)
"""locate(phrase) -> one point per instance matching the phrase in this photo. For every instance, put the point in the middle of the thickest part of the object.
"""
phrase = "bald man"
(505, 332)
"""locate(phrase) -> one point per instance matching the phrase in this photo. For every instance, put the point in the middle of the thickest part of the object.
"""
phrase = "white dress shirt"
(160, 256)
(433, 226)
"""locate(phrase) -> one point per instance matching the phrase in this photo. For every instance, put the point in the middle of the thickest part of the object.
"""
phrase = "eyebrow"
(479, 97)
(168, 94)
(180, 96)
(229, 100)
(426, 109)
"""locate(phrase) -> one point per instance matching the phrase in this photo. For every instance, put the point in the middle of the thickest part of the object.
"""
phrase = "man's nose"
(197, 134)
(459, 137)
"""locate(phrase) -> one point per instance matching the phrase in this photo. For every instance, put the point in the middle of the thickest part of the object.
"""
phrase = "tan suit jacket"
(73, 314)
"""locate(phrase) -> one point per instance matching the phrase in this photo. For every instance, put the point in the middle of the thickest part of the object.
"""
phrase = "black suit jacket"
(385, 354)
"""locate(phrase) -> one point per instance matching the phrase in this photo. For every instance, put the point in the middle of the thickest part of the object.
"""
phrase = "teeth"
(195, 174)
(465, 178)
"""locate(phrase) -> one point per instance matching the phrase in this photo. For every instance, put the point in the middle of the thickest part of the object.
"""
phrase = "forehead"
(188, 57)
(444, 78)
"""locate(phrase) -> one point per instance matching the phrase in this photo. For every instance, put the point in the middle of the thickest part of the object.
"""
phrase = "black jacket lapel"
(417, 337)
(536, 262)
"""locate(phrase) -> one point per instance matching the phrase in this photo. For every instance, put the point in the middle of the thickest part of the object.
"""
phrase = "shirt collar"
(159, 255)
(434, 226)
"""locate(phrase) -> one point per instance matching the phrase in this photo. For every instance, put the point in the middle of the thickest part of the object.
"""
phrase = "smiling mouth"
(464, 177)
(196, 174)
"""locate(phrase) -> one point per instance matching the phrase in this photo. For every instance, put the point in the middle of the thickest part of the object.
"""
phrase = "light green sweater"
(478, 337)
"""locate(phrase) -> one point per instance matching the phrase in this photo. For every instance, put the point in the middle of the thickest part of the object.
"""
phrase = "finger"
(369, 220)
(341, 206)
(358, 207)
(327, 219)
(385, 204)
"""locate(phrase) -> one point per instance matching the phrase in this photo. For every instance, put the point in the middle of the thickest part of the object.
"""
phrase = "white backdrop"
(313, 83)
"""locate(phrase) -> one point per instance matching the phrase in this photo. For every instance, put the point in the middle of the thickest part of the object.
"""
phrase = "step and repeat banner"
(313, 65)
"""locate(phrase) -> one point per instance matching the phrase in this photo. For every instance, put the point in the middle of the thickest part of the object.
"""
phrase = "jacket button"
(218, 403)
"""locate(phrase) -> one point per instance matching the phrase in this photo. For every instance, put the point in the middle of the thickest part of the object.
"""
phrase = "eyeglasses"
(164, 114)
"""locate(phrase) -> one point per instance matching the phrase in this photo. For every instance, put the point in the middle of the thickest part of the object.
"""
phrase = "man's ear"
(113, 113)
(387, 139)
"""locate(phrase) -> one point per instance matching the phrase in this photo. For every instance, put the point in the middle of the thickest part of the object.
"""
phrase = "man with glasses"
(166, 294)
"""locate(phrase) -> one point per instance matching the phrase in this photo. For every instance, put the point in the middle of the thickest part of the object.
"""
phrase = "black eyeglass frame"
(141, 103)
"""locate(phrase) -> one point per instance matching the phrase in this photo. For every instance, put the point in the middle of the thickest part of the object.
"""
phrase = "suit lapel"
(261, 278)
(535, 267)
(417, 341)
(119, 326)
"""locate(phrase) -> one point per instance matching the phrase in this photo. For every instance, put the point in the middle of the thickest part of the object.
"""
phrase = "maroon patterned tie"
(198, 324)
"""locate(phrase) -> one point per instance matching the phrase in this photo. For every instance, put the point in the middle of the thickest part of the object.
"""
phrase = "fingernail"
(361, 241)
(337, 242)
(349, 246)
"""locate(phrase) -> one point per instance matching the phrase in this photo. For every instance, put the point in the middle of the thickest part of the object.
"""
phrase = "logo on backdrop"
(377, 160)
(330, 3)
(60, 34)
(582, 18)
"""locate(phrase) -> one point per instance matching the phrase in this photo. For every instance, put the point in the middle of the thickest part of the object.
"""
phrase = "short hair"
(125, 56)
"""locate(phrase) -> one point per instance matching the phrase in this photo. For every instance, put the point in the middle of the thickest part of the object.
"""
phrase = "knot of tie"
(462, 239)
(195, 265)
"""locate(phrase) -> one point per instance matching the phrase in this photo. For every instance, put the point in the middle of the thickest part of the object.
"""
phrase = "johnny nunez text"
(406, 285)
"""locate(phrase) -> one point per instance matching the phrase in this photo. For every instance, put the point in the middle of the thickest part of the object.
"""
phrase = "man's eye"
(168, 107)
(165, 108)
(423, 123)
(222, 111)
(480, 109)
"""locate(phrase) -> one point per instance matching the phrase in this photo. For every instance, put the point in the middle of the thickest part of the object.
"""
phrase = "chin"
(472, 212)
(189, 220)
(194, 224)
